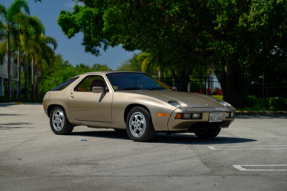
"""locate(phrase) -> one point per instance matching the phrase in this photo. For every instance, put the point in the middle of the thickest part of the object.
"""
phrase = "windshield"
(136, 81)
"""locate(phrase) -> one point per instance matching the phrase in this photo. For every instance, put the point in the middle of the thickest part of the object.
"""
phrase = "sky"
(71, 49)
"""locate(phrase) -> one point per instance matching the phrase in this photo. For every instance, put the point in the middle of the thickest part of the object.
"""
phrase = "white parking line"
(259, 147)
(240, 167)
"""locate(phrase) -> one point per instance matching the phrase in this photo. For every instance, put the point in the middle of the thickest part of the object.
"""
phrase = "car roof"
(107, 72)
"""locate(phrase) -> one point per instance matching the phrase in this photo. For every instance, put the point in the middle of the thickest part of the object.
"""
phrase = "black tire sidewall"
(149, 132)
(68, 127)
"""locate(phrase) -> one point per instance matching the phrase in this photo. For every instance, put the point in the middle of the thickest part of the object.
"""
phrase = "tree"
(101, 67)
(28, 27)
(39, 50)
(234, 37)
(61, 70)
(29, 31)
(8, 26)
(132, 64)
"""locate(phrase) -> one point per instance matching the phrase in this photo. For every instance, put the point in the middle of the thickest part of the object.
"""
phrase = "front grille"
(205, 125)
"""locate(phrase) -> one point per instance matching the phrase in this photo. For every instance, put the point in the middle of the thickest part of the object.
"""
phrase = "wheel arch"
(130, 107)
(52, 106)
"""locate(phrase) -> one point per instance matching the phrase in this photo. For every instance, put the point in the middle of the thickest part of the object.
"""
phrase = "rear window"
(64, 85)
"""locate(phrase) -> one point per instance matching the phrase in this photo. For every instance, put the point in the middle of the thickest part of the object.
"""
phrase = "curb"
(246, 112)
(18, 103)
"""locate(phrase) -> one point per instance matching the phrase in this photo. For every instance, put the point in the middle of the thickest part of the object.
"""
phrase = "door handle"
(72, 95)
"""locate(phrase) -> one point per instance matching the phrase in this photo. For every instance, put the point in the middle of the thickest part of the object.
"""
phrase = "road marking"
(259, 147)
(241, 168)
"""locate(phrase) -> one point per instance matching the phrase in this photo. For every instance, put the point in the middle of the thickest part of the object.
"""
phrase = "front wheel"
(207, 133)
(139, 125)
(59, 122)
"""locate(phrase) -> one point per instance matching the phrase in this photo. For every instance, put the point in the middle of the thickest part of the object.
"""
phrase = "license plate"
(215, 117)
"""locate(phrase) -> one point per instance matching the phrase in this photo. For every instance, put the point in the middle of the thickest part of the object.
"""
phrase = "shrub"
(273, 103)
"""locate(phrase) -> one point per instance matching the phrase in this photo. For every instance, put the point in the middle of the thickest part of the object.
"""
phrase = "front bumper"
(203, 123)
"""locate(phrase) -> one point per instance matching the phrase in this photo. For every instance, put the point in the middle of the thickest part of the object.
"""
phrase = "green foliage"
(235, 37)
(60, 71)
(273, 103)
(132, 64)
(196, 84)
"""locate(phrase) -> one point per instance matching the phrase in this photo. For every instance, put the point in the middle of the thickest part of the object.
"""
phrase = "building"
(3, 73)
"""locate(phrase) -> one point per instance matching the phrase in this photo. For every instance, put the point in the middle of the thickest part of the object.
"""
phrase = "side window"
(87, 84)
(64, 85)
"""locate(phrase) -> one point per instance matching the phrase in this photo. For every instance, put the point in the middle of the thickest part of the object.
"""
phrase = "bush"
(3, 99)
(196, 85)
(273, 103)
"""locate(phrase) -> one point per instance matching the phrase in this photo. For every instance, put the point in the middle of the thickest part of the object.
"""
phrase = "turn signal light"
(162, 114)
(178, 116)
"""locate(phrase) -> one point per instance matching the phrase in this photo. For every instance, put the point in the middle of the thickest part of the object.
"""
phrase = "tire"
(207, 133)
(120, 130)
(139, 125)
(59, 122)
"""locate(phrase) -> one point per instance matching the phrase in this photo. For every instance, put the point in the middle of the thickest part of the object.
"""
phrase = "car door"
(86, 106)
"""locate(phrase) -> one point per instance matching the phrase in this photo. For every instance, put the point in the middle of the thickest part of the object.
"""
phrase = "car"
(135, 102)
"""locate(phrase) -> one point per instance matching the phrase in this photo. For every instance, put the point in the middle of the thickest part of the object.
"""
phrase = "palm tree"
(39, 50)
(28, 27)
(8, 25)
(47, 54)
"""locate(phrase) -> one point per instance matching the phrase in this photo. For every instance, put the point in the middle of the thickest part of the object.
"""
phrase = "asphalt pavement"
(249, 155)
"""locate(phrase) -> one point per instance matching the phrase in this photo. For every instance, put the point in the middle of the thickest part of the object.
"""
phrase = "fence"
(205, 85)
(211, 85)
(268, 90)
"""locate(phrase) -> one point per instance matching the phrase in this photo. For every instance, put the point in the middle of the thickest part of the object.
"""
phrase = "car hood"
(185, 99)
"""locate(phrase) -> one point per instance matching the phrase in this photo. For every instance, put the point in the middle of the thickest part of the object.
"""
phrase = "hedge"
(273, 103)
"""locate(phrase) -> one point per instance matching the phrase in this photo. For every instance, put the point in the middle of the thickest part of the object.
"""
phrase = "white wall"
(3, 72)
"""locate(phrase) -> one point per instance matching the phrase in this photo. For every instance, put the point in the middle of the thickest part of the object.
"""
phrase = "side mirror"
(97, 89)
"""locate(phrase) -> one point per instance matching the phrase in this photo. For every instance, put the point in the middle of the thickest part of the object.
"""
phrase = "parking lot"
(250, 155)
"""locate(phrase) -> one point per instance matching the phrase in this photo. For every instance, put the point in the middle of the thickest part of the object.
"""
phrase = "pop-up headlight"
(174, 104)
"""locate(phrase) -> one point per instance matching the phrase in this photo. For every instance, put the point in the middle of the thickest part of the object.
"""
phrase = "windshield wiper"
(132, 88)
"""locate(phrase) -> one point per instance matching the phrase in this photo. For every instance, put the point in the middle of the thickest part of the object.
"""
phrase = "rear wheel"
(207, 133)
(139, 125)
(59, 122)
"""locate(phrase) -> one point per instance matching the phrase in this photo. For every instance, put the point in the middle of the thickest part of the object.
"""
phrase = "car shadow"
(8, 114)
(169, 139)
(7, 126)
(102, 134)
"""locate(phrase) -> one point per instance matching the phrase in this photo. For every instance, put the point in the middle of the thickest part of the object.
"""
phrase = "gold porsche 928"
(134, 102)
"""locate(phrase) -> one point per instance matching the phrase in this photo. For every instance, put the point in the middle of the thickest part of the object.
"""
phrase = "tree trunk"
(37, 78)
(26, 78)
(33, 77)
(181, 79)
(233, 83)
(19, 72)
(8, 61)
